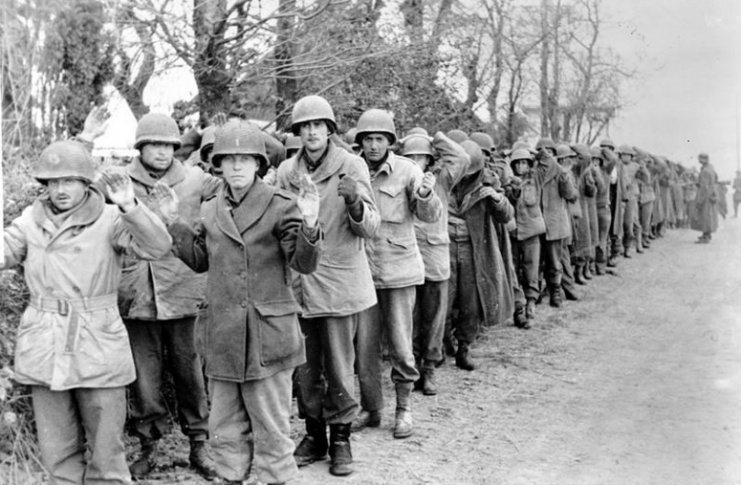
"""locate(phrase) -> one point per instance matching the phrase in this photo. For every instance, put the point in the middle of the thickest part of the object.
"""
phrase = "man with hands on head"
(247, 237)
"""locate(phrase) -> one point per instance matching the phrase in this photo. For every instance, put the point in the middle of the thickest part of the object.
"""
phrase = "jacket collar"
(332, 164)
(175, 174)
(85, 215)
(234, 222)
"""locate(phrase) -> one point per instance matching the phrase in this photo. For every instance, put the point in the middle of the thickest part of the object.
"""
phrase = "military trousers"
(392, 317)
(465, 312)
(159, 346)
(326, 382)
(526, 254)
(429, 320)
(68, 421)
(551, 254)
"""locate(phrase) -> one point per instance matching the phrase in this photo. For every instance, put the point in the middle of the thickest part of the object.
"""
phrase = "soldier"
(705, 219)
(583, 249)
(72, 245)
(402, 191)
(479, 289)
(736, 192)
(602, 177)
(627, 169)
(646, 198)
(557, 188)
(525, 198)
(247, 237)
(331, 297)
(158, 301)
(433, 241)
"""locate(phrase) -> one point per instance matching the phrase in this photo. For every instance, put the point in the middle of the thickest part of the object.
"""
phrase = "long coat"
(393, 254)
(582, 241)
(71, 335)
(557, 188)
(165, 289)
(705, 217)
(482, 212)
(342, 283)
(252, 328)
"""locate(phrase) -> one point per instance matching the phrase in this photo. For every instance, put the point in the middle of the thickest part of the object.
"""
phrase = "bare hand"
(167, 202)
(120, 190)
(428, 183)
(271, 177)
(348, 188)
(308, 201)
(95, 123)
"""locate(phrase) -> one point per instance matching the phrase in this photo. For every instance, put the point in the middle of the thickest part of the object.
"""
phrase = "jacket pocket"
(278, 330)
(391, 203)
(529, 194)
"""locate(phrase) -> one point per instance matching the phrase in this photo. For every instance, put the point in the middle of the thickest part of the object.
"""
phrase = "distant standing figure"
(705, 217)
(736, 192)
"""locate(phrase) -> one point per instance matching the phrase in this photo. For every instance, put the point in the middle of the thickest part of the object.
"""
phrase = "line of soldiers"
(279, 274)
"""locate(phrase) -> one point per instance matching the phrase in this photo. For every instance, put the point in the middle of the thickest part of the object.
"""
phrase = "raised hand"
(348, 189)
(167, 202)
(308, 201)
(271, 177)
(95, 123)
(120, 190)
(428, 183)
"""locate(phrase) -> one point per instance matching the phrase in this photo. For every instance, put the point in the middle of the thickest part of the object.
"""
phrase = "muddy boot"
(530, 309)
(428, 372)
(147, 460)
(521, 318)
(313, 446)
(579, 274)
(340, 453)
(588, 271)
(599, 269)
(555, 299)
(200, 460)
(463, 359)
(367, 419)
(570, 294)
(403, 426)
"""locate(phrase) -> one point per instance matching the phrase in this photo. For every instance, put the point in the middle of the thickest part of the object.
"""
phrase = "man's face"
(66, 193)
(520, 167)
(375, 147)
(422, 160)
(157, 156)
(314, 135)
(626, 157)
(239, 170)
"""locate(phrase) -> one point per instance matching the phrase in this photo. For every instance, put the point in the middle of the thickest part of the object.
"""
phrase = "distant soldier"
(706, 215)
(736, 192)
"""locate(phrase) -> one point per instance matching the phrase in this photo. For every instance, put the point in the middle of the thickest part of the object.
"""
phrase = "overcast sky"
(684, 101)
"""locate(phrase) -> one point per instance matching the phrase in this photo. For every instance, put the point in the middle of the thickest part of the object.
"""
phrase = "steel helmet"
(521, 145)
(157, 128)
(417, 145)
(475, 154)
(65, 159)
(417, 130)
(350, 137)
(607, 143)
(582, 151)
(207, 141)
(703, 157)
(312, 108)
(626, 149)
(545, 143)
(563, 151)
(238, 137)
(458, 136)
(521, 154)
(484, 141)
(376, 121)
(596, 152)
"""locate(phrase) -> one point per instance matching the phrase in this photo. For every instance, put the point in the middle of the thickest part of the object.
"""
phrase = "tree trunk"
(213, 77)
(545, 116)
(286, 85)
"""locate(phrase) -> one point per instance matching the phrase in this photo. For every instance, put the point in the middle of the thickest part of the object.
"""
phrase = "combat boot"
(463, 359)
(200, 461)
(367, 419)
(403, 426)
(429, 387)
(555, 299)
(340, 453)
(313, 446)
(579, 274)
(588, 271)
(530, 309)
(570, 294)
(520, 317)
(147, 460)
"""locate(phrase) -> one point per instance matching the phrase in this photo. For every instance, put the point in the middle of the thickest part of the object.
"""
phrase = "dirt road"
(638, 383)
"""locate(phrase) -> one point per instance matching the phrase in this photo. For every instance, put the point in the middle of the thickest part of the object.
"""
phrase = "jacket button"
(75, 289)
(244, 304)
